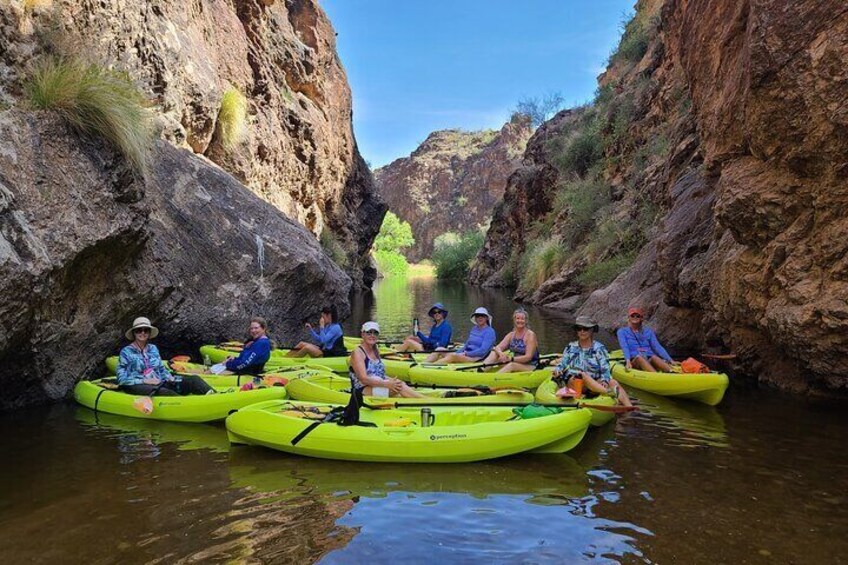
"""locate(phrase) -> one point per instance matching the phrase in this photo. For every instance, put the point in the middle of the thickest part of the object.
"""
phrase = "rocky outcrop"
(452, 181)
(749, 251)
(85, 247)
(298, 151)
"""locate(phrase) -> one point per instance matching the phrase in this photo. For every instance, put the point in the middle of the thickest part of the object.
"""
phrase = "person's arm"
(126, 371)
(329, 335)
(499, 348)
(257, 354)
(315, 335)
(445, 337)
(530, 348)
(602, 356)
(624, 343)
(658, 348)
(159, 368)
(565, 362)
(487, 340)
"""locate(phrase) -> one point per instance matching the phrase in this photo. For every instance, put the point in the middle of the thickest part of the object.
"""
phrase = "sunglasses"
(637, 316)
(582, 329)
(141, 331)
(372, 332)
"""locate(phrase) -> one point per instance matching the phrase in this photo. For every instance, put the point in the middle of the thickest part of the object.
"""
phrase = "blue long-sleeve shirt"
(440, 336)
(643, 342)
(479, 342)
(327, 336)
(135, 365)
(255, 354)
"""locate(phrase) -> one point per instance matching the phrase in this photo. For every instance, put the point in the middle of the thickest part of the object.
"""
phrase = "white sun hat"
(481, 311)
(368, 326)
(141, 322)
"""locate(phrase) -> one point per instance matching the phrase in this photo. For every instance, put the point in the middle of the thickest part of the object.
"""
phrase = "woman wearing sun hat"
(367, 372)
(641, 347)
(440, 333)
(480, 341)
(140, 369)
(588, 360)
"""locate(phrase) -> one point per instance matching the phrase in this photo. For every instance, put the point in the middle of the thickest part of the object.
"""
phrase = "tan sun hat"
(141, 322)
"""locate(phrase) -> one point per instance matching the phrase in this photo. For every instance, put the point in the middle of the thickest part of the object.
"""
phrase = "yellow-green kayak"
(702, 387)
(395, 366)
(452, 375)
(103, 396)
(334, 389)
(546, 394)
(456, 434)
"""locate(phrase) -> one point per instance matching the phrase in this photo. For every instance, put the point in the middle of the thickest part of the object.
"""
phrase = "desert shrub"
(634, 40)
(453, 253)
(604, 272)
(232, 118)
(95, 101)
(583, 199)
(541, 109)
(542, 260)
(333, 248)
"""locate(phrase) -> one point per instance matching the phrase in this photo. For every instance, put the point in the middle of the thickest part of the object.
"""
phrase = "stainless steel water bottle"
(415, 326)
(426, 417)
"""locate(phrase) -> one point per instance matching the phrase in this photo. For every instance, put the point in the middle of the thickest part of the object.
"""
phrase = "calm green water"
(761, 479)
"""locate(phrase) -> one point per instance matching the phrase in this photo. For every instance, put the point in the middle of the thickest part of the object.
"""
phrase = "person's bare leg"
(590, 384)
(623, 398)
(661, 365)
(491, 358)
(513, 367)
(407, 391)
(434, 357)
(642, 364)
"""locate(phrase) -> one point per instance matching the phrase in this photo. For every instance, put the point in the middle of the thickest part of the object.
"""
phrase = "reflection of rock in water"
(284, 530)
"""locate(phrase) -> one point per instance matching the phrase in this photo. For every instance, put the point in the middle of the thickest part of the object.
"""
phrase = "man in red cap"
(640, 345)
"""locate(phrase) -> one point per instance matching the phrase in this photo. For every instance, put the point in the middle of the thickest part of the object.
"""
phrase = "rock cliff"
(85, 247)
(451, 182)
(729, 121)
(297, 150)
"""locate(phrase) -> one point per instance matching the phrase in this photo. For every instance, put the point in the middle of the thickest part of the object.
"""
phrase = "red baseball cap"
(635, 310)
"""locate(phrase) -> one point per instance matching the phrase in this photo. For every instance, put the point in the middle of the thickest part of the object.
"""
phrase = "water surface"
(760, 479)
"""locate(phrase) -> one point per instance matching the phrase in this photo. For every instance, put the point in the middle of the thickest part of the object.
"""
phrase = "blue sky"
(419, 66)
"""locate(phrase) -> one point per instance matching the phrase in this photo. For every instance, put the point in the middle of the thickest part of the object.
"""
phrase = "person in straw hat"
(588, 360)
(141, 371)
(480, 341)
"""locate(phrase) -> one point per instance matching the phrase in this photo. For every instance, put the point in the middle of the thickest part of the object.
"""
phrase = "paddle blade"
(143, 404)
(613, 409)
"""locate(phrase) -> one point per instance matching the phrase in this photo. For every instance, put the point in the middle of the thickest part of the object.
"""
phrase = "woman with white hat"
(440, 333)
(480, 341)
(368, 373)
(140, 369)
(587, 360)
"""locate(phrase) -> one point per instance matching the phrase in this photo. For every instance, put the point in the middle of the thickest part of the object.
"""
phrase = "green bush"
(333, 248)
(583, 199)
(542, 260)
(582, 152)
(232, 118)
(453, 253)
(604, 272)
(95, 101)
(391, 263)
(394, 235)
(634, 41)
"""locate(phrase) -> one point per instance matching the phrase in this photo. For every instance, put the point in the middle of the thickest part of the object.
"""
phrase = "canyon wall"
(452, 181)
(735, 135)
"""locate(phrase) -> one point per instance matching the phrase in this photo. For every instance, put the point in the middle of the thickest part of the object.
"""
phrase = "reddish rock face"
(452, 181)
(298, 153)
(749, 253)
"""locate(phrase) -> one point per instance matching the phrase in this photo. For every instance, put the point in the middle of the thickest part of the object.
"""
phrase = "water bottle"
(415, 326)
(206, 361)
(426, 418)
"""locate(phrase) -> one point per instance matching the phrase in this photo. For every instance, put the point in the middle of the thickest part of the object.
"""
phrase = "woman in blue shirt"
(141, 371)
(641, 347)
(256, 352)
(440, 333)
(330, 337)
(480, 341)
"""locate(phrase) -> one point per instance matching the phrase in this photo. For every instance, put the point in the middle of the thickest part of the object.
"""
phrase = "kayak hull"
(457, 435)
(546, 394)
(708, 388)
(450, 375)
(191, 408)
(331, 388)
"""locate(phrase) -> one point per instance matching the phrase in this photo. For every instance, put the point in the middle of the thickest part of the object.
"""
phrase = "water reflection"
(680, 423)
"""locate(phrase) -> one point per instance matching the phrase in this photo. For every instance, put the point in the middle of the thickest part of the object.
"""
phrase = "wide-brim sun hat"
(437, 306)
(368, 326)
(586, 322)
(481, 311)
(141, 322)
